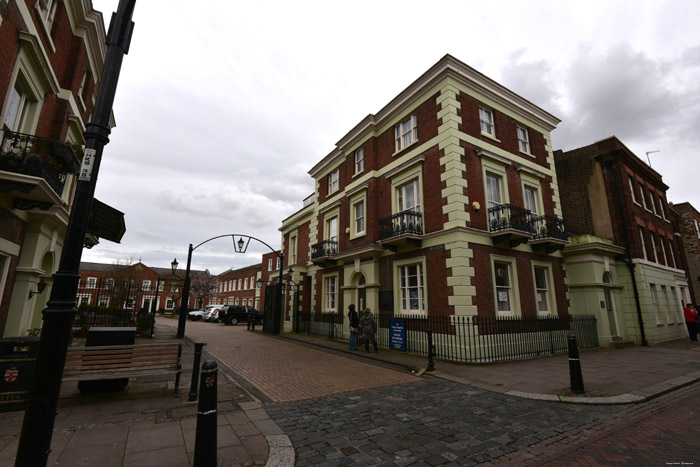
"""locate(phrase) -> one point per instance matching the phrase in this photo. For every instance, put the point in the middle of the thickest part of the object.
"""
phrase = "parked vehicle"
(212, 313)
(234, 314)
(196, 315)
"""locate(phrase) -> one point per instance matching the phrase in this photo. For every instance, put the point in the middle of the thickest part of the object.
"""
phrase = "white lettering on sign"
(87, 165)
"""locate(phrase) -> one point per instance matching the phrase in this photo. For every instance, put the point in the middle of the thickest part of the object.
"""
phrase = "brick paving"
(286, 371)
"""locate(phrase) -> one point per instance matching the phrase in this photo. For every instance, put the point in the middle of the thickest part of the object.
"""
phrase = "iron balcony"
(35, 156)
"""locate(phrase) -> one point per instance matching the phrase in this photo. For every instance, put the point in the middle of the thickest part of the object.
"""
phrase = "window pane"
(494, 190)
(531, 200)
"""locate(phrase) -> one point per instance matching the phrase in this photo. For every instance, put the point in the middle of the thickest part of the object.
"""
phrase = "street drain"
(349, 451)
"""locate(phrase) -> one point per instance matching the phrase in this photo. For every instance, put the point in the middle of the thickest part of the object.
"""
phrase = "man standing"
(691, 321)
(354, 323)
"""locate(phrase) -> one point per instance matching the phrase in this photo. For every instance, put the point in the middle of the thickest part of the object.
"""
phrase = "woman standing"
(354, 324)
(369, 329)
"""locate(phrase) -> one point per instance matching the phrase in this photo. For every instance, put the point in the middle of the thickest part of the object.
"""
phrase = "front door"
(610, 307)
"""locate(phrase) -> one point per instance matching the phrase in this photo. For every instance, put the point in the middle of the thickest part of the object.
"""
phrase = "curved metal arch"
(242, 250)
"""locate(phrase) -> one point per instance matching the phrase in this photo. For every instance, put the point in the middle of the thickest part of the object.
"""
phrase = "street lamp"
(173, 265)
(239, 246)
(40, 415)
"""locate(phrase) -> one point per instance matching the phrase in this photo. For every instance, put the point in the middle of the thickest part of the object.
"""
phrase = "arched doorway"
(610, 305)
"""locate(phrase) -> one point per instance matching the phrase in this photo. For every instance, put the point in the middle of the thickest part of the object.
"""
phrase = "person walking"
(691, 321)
(369, 329)
(354, 321)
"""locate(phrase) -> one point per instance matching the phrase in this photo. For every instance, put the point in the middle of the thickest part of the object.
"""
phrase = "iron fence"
(473, 339)
(110, 304)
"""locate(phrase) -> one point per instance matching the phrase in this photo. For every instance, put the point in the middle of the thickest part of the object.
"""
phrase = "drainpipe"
(612, 165)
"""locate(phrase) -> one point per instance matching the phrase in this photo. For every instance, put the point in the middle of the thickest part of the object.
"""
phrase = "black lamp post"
(39, 417)
(239, 246)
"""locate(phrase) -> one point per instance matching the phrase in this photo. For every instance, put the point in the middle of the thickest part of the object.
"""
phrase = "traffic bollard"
(431, 363)
(195, 370)
(249, 320)
(575, 366)
(205, 437)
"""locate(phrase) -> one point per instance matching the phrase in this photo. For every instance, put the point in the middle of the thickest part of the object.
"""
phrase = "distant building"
(141, 286)
(51, 57)
(444, 203)
(239, 286)
(624, 262)
(689, 227)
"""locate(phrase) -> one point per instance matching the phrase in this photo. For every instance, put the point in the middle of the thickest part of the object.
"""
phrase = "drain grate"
(349, 451)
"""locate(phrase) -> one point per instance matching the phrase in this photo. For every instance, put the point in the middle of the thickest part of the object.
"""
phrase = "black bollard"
(575, 366)
(205, 437)
(195, 370)
(431, 363)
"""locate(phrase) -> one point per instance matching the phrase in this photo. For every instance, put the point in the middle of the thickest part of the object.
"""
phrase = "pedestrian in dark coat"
(369, 329)
(354, 321)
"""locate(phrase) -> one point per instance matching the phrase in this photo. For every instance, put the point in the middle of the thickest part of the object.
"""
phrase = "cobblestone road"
(341, 412)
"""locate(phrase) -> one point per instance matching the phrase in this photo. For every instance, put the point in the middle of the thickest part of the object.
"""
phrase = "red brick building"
(51, 58)
(444, 203)
(239, 286)
(145, 285)
(689, 228)
(625, 261)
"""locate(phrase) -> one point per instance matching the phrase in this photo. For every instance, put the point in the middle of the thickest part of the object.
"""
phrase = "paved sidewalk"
(610, 376)
(146, 425)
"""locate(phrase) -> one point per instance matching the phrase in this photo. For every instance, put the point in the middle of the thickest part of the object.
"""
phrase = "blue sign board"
(397, 335)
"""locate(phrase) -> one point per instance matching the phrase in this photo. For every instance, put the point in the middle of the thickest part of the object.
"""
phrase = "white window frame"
(252, 282)
(411, 293)
(245, 283)
(169, 304)
(240, 284)
(486, 122)
(653, 247)
(644, 247)
(91, 283)
(293, 249)
(278, 264)
(536, 198)
(269, 264)
(330, 293)
(511, 290)
(663, 250)
(634, 196)
(547, 290)
(146, 285)
(697, 227)
(359, 220)
(402, 291)
(523, 139)
(333, 181)
(83, 298)
(644, 199)
(661, 208)
(109, 283)
(406, 133)
(359, 161)
(670, 250)
(330, 232)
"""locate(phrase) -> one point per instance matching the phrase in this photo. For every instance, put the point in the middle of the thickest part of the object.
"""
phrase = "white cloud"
(221, 111)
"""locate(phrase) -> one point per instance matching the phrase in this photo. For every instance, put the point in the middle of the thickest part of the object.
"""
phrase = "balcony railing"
(549, 227)
(324, 249)
(402, 223)
(507, 216)
(38, 157)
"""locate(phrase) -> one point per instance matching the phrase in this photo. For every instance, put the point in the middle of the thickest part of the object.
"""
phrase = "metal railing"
(507, 216)
(549, 227)
(324, 249)
(402, 223)
(38, 157)
(478, 339)
(105, 304)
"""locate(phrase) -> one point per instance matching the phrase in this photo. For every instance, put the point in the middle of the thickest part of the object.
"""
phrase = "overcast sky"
(224, 106)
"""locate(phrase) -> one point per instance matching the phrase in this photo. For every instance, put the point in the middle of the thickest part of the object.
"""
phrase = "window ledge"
(635, 202)
(489, 136)
(398, 151)
(357, 174)
(527, 154)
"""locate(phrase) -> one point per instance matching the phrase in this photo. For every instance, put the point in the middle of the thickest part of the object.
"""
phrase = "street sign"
(106, 222)
(397, 336)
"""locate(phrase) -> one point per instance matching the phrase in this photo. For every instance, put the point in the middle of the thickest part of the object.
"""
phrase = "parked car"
(196, 315)
(234, 314)
(212, 313)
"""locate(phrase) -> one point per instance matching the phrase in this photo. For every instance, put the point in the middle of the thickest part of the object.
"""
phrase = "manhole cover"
(349, 451)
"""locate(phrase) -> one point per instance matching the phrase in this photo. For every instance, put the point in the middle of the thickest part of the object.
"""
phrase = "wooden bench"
(123, 361)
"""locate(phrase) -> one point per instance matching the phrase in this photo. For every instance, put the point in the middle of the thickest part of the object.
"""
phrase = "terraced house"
(51, 58)
(444, 203)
